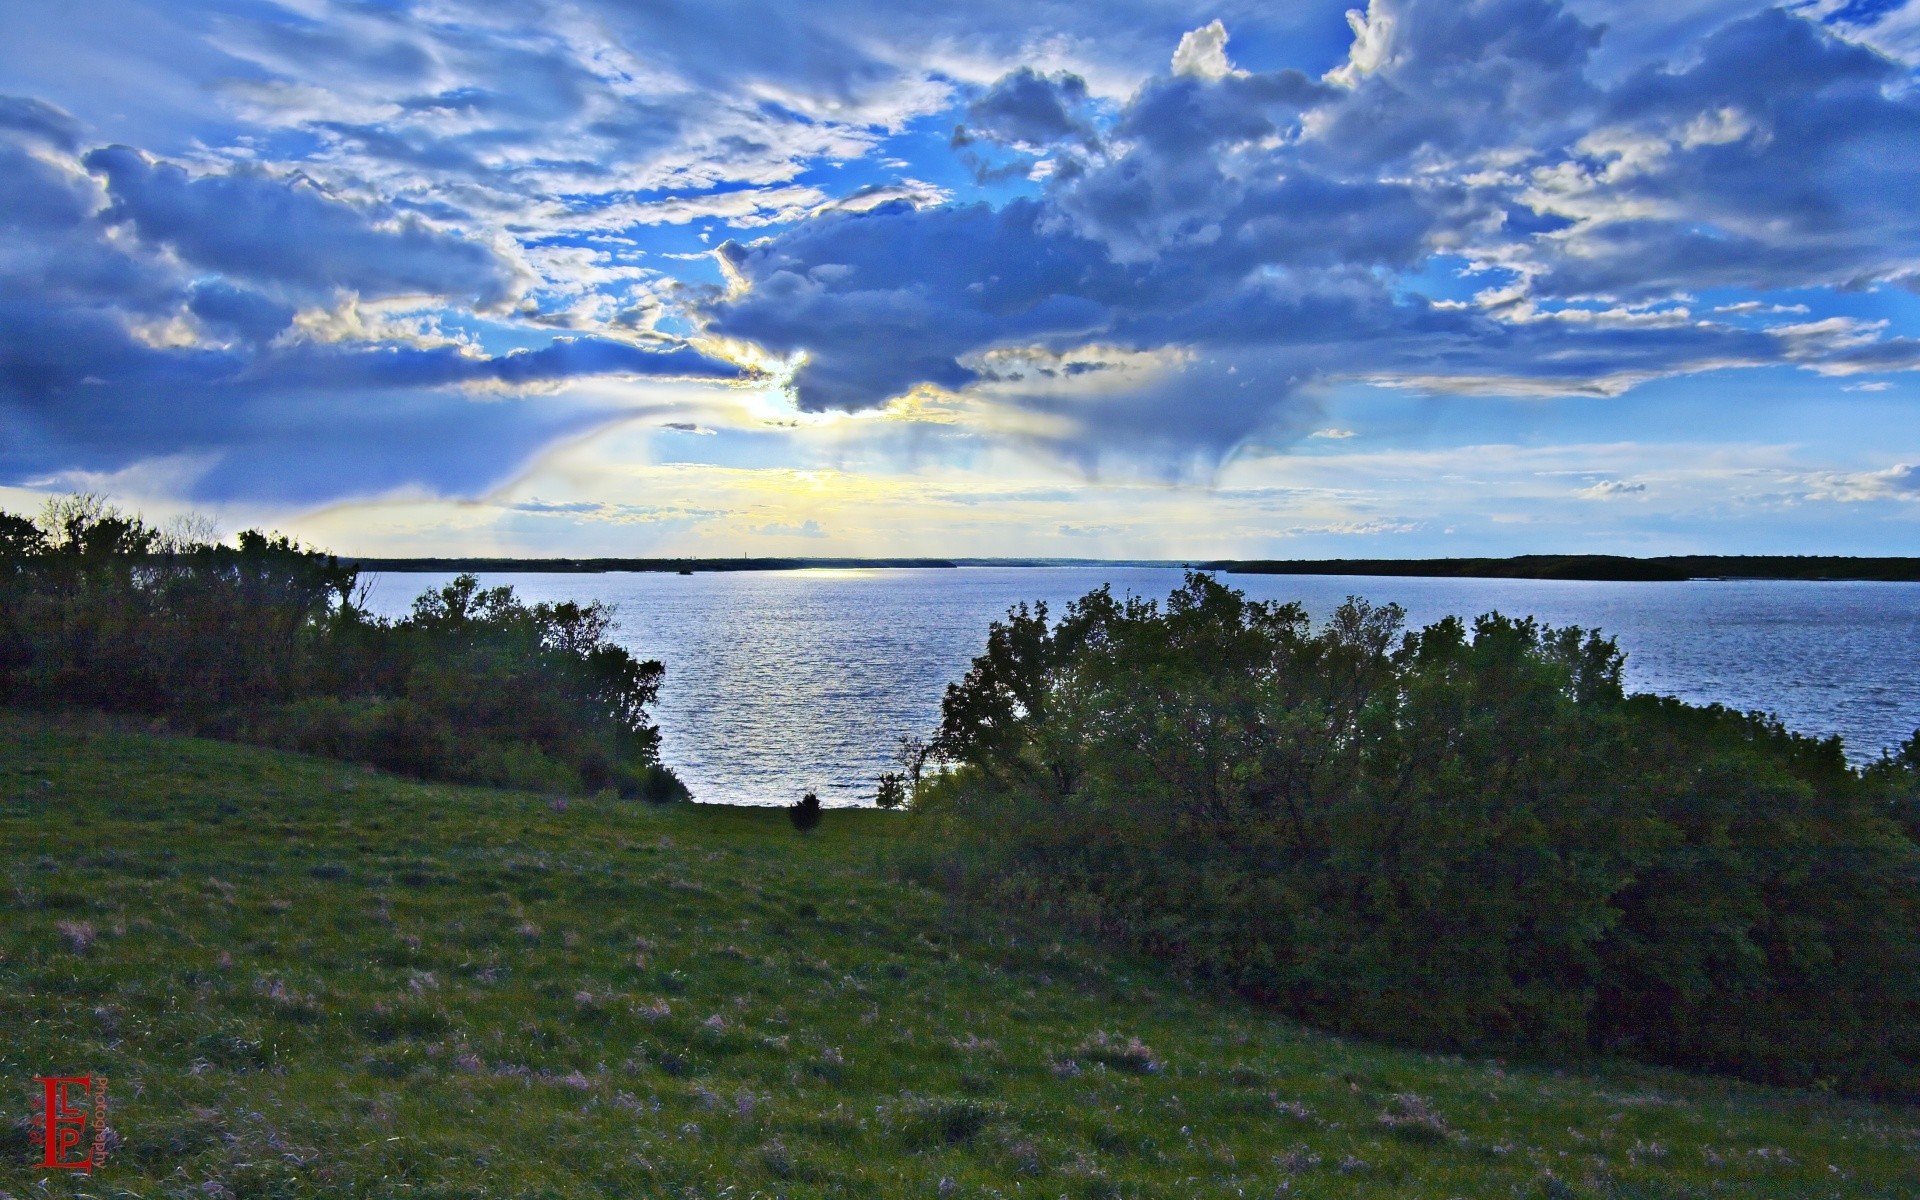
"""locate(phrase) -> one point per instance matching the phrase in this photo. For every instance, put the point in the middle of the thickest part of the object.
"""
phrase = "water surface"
(780, 681)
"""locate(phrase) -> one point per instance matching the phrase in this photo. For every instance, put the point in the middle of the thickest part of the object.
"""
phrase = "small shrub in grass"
(945, 1121)
(1411, 1118)
(892, 791)
(805, 813)
(1122, 1054)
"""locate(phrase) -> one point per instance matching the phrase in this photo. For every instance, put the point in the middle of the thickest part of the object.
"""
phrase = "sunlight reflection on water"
(779, 681)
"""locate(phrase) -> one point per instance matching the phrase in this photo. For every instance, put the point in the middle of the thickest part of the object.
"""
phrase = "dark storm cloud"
(1025, 107)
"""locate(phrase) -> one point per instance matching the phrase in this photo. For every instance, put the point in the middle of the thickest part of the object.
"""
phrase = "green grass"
(304, 979)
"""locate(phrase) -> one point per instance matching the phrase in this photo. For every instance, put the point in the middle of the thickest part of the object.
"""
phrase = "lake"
(780, 681)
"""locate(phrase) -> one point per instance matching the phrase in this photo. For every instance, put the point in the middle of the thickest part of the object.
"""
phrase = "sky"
(1121, 280)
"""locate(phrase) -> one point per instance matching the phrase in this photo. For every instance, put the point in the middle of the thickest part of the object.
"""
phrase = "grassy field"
(304, 979)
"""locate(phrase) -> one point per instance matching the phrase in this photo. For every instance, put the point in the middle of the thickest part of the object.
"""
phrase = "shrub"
(805, 813)
(1461, 836)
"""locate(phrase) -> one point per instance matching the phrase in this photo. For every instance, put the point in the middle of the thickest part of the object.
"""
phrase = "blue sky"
(1131, 279)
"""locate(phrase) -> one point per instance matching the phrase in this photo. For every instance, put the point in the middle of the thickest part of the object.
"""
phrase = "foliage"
(311, 981)
(805, 813)
(1457, 837)
(891, 792)
(264, 640)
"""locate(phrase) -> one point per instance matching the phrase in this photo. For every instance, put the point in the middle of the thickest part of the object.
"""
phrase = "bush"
(264, 641)
(805, 813)
(1459, 837)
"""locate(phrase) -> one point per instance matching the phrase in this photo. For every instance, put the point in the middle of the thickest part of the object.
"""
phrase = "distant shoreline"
(1595, 567)
(1598, 567)
(594, 566)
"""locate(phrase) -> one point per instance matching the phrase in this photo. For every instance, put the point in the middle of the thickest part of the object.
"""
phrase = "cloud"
(40, 120)
(337, 223)
(808, 528)
(288, 231)
(186, 344)
(1252, 226)
(1027, 108)
(1898, 482)
(1608, 489)
(1202, 53)
(1723, 175)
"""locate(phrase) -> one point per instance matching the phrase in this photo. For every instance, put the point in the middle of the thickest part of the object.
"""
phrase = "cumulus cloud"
(1027, 108)
(1722, 174)
(1256, 224)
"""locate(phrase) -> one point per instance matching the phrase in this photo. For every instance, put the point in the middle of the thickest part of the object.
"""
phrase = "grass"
(305, 979)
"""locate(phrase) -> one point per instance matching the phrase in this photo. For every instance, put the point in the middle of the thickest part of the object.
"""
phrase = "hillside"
(306, 979)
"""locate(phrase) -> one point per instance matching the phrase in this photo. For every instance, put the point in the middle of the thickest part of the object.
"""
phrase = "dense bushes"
(264, 641)
(1454, 837)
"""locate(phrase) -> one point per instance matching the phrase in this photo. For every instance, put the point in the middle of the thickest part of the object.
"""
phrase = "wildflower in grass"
(471, 1063)
(1296, 1160)
(79, 934)
(585, 999)
(717, 1023)
(529, 930)
(1290, 1108)
(1352, 1163)
(659, 1010)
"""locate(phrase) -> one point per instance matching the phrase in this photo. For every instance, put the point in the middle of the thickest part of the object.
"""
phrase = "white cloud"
(1202, 53)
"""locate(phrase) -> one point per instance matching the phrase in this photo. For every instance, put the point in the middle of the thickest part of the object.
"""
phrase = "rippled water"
(780, 681)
